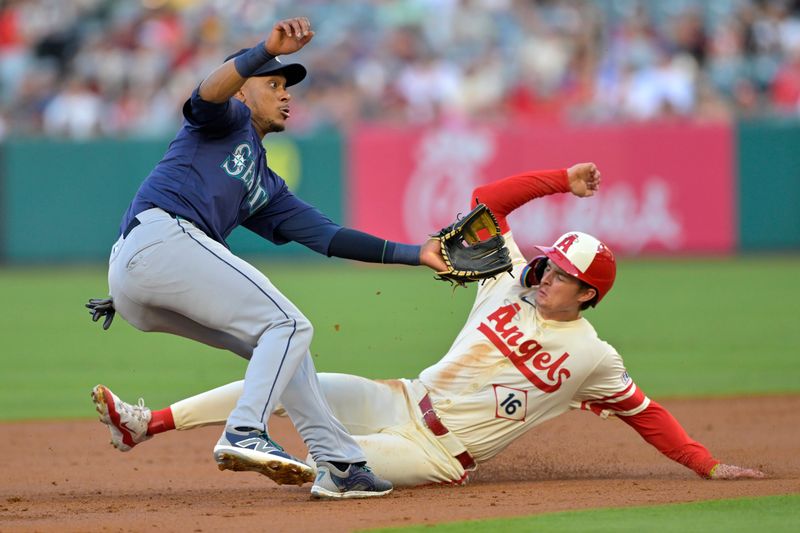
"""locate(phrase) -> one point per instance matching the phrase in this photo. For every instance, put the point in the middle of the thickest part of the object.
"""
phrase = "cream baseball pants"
(382, 415)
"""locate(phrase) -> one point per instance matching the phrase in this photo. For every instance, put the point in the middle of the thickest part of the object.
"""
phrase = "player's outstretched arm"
(305, 224)
(507, 194)
(659, 428)
(287, 36)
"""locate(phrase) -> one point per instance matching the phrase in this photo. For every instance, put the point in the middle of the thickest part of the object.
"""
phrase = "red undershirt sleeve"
(507, 194)
(659, 428)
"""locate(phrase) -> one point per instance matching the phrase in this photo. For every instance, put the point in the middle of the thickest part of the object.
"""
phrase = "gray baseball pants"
(169, 276)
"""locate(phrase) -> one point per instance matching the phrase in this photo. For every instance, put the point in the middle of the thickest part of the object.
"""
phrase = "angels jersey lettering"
(520, 351)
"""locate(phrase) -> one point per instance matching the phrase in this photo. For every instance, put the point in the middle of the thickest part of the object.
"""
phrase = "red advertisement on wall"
(666, 187)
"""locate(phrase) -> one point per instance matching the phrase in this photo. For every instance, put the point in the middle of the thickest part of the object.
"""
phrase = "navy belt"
(132, 224)
(135, 222)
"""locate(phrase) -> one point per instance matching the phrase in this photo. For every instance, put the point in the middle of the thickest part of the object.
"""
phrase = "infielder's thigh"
(365, 406)
(149, 318)
(170, 264)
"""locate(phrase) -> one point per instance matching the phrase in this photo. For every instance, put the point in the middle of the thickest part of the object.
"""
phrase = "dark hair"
(593, 301)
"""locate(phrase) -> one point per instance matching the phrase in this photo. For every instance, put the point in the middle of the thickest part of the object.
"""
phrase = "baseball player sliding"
(525, 355)
(171, 270)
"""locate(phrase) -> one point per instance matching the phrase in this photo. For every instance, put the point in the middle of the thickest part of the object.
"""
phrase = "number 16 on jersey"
(512, 404)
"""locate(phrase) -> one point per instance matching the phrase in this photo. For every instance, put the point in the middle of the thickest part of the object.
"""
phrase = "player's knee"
(298, 327)
(304, 328)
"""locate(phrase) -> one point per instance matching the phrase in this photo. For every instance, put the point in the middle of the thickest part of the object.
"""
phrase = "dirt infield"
(64, 476)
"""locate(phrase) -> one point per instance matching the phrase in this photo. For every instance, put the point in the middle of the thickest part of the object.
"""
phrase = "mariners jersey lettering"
(509, 369)
(215, 174)
(241, 165)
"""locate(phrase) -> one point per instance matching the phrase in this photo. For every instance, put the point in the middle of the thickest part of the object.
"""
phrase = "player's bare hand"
(431, 256)
(584, 179)
(723, 471)
(289, 36)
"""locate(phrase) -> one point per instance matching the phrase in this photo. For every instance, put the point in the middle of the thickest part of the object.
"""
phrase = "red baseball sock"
(161, 421)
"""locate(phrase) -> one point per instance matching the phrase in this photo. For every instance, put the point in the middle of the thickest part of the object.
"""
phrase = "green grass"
(711, 327)
(684, 327)
(775, 514)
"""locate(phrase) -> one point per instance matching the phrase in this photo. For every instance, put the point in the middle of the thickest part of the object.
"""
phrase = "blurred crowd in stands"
(84, 68)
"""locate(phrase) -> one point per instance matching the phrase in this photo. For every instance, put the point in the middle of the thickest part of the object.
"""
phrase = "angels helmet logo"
(579, 255)
(566, 242)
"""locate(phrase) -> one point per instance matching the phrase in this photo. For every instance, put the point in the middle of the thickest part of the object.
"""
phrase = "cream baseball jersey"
(510, 370)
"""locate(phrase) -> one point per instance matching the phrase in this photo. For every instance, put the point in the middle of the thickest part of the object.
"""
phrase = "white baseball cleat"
(127, 423)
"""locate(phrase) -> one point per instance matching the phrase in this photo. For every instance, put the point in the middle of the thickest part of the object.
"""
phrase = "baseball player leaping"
(171, 270)
(524, 356)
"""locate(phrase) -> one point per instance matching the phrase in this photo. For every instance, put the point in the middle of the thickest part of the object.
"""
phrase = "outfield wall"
(669, 188)
(63, 201)
(768, 160)
(666, 189)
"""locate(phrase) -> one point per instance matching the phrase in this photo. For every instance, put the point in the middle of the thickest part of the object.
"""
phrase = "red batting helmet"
(579, 255)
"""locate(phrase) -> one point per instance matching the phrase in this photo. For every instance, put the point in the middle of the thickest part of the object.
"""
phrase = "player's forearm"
(359, 246)
(659, 428)
(506, 195)
(229, 77)
(221, 84)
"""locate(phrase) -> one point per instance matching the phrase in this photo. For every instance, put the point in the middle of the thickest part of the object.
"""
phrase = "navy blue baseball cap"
(293, 72)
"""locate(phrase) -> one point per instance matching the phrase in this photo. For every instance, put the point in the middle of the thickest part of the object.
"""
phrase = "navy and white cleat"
(355, 482)
(251, 450)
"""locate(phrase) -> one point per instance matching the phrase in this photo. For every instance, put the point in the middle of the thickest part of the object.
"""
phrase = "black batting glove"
(102, 308)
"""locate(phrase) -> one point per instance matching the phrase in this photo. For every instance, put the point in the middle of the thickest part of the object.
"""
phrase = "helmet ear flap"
(533, 271)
